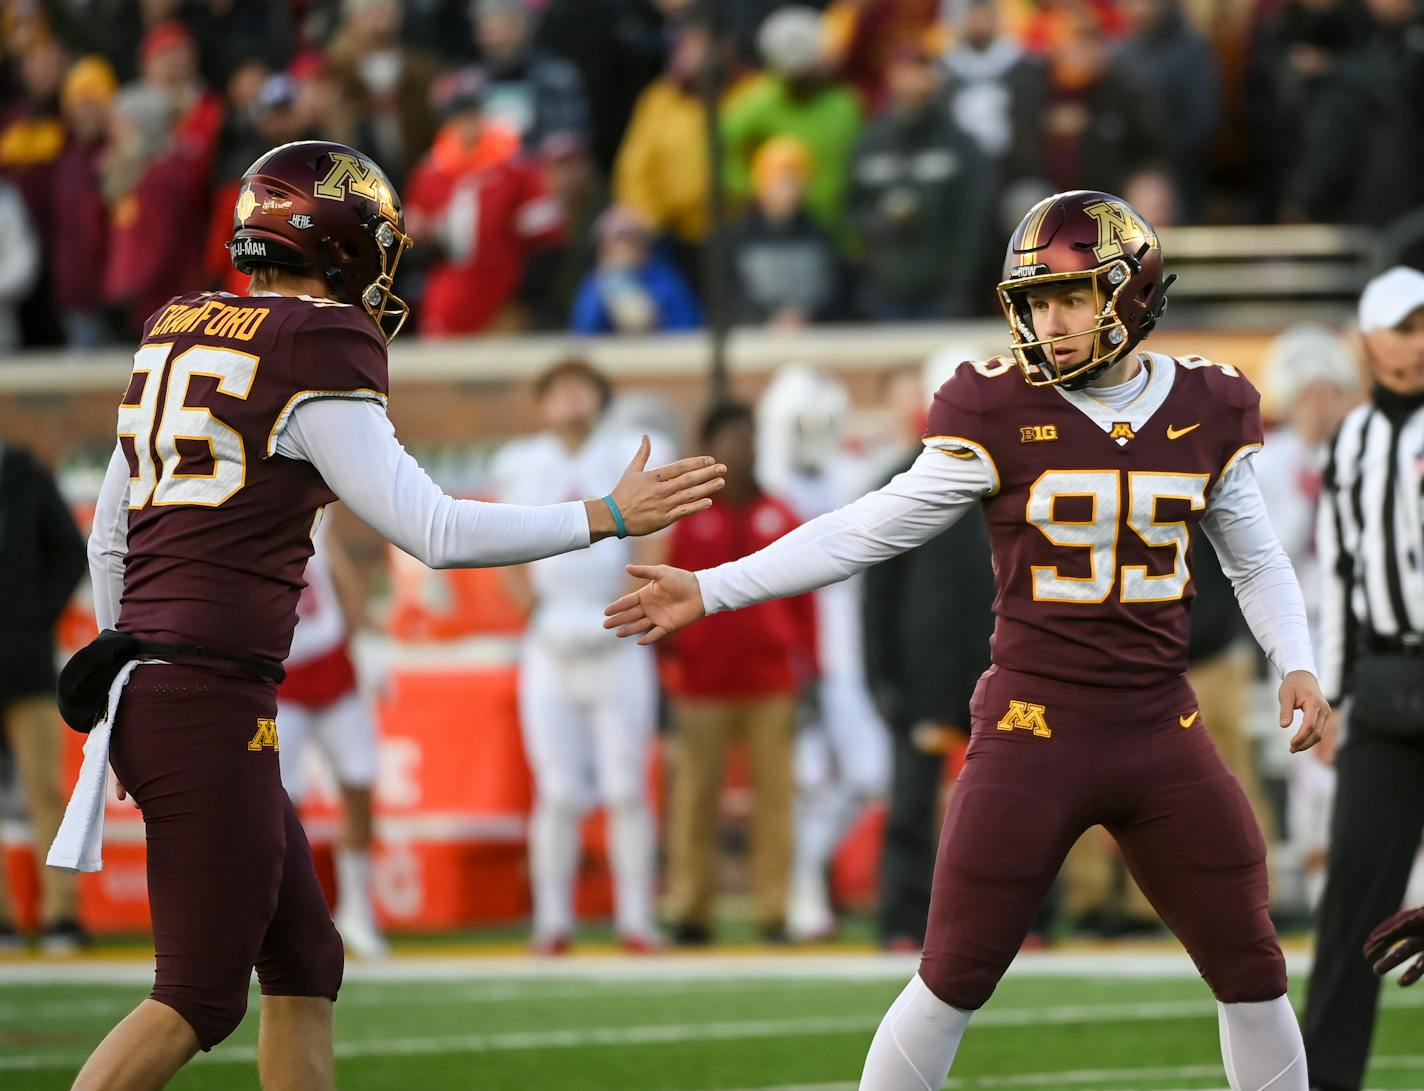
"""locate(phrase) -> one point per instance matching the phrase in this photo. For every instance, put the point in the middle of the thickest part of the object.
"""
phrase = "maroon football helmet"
(327, 210)
(1103, 242)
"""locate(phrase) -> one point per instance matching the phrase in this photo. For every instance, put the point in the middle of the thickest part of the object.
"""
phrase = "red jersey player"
(243, 417)
(1096, 463)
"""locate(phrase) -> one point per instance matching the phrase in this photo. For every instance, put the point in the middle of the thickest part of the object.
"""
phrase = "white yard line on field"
(384, 994)
(518, 1041)
(665, 1033)
(1106, 964)
(1084, 1076)
(1089, 1077)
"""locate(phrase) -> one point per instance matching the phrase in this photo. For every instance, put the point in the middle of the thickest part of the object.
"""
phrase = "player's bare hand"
(1324, 753)
(119, 787)
(1395, 942)
(669, 601)
(1300, 690)
(653, 499)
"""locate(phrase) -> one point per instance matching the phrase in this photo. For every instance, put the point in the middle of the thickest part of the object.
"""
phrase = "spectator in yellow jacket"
(662, 170)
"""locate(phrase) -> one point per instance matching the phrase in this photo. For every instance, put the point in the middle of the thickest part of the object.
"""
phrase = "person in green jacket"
(796, 96)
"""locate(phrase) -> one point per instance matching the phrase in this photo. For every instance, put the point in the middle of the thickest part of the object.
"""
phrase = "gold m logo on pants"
(1023, 716)
(266, 736)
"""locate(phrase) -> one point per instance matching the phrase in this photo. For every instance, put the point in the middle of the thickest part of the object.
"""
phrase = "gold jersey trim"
(939, 443)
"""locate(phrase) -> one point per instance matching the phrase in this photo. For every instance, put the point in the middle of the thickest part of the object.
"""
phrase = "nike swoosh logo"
(1187, 721)
(1178, 433)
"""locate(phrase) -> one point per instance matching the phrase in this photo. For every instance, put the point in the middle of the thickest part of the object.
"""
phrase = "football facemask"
(1034, 354)
(378, 299)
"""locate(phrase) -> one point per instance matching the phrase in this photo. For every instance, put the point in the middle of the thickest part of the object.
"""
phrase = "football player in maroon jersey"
(244, 416)
(1095, 462)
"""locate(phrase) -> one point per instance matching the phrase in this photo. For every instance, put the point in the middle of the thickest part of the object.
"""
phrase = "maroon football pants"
(1048, 761)
(231, 884)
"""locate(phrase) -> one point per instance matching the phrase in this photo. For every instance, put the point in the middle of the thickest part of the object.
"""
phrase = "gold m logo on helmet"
(266, 736)
(1023, 716)
(350, 174)
(1116, 225)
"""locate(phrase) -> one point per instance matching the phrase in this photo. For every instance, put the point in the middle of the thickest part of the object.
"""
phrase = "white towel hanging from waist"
(79, 844)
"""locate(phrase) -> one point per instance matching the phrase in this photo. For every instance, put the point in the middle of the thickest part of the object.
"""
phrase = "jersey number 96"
(156, 430)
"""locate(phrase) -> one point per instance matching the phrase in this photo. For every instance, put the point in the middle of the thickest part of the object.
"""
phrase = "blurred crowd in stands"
(555, 163)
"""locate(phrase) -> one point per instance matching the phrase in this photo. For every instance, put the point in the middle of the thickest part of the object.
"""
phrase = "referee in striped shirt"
(1370, 540)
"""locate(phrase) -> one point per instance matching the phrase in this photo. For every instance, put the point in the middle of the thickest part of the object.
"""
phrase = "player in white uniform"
(1312, 380)
(843, 756)
(587, 702)
(321, 702)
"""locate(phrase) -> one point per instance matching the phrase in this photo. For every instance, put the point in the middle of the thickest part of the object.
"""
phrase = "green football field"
(788, 1022)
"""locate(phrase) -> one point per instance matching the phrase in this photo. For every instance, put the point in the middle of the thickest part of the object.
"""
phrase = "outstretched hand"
(670, 601)
(1300, 690)
(650, 500)
(1395, 942)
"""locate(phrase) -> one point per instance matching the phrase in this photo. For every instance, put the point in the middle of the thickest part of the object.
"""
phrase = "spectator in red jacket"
(155, 187)
(737, 675)
(483, 209)
(168, 61)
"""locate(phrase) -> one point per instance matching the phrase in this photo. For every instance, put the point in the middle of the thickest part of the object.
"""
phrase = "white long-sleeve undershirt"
(908, 511)
(353, 445)
(108, 540)
(939, 488)
(1240, 530)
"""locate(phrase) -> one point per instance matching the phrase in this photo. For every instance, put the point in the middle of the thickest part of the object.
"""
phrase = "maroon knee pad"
(960, 981)
(213, 1012)
(307, 965)
(1245, 976)
(301, 953)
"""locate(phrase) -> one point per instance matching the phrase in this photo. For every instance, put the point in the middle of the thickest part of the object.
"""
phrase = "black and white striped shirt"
(1370, 539)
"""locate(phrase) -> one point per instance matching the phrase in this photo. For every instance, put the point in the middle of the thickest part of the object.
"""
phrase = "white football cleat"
(359, 934)
(809, 918)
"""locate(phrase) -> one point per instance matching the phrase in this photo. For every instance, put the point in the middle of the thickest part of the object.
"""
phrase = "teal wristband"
(618, 524)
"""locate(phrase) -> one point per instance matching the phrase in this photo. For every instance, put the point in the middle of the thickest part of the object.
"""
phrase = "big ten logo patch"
(1038, 433)
(266, 736)
(1025, 716)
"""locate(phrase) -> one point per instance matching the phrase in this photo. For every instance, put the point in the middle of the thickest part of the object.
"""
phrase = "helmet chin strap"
(1086, 378)
(1092, 374)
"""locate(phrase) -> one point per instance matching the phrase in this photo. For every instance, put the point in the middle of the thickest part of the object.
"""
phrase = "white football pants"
(588, 719)
(842, 761)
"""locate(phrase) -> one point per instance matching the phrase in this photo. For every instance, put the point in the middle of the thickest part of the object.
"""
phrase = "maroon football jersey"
(220, 525)
(1092, 514)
